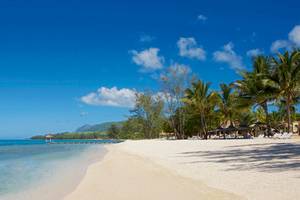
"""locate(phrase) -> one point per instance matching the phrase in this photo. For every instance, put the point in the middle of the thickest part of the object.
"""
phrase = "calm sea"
(32, 169)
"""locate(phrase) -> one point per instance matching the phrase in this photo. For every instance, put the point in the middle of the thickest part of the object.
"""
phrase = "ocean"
(33, 169)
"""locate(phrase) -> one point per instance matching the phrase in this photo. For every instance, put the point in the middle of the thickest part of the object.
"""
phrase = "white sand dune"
(194, 169)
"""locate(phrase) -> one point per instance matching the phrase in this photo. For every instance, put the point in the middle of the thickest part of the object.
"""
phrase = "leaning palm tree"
(202, 101)
(286, 78)
(254, 91)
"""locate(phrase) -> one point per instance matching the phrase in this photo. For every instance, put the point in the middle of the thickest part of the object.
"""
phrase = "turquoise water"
(28, 164)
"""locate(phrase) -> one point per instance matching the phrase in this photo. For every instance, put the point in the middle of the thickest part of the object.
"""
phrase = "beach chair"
(286, 135)
(283, 135)
(261, 136)
(277, 136)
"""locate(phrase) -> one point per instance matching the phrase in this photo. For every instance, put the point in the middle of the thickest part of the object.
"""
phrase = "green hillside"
(97, 127)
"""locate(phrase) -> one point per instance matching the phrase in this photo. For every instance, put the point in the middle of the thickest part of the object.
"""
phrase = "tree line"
(81, 135)
(187, 106)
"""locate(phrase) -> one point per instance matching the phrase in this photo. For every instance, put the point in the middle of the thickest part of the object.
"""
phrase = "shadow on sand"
(261, 157)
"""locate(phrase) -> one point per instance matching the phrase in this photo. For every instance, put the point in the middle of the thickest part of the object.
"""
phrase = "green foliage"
(83, 135)
(276, 120)
(271, 80)
(246, 119)
(113, 131)
(203, 102)
(228, 104)
(146, 121)
(131, 129)
(148, 112)
(166, 127)
(286, 79)
(260, 115)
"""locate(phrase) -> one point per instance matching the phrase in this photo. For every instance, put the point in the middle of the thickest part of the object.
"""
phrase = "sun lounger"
(260, 136)
(194, 138)
(284, 135)
(277, 136)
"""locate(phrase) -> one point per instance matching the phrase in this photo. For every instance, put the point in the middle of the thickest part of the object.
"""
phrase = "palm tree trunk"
(203, 126)
(265, 107)
(288, 109)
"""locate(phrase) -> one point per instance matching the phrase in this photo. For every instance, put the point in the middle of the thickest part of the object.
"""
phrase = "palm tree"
(282, 107)
(202, 101)
(260, 115)
(227, 103)
(287, 79)
(246, 119)
(252, 88)
(276, 120)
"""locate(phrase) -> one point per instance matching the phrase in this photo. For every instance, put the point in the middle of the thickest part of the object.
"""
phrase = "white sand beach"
(256, 169)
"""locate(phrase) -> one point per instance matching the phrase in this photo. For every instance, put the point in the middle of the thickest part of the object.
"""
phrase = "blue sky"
(64, 64)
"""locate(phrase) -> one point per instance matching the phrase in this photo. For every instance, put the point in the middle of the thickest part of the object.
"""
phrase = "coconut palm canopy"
(271, 81)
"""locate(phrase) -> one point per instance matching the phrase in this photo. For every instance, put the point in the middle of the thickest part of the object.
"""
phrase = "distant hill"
(97, 127)
(97, 131)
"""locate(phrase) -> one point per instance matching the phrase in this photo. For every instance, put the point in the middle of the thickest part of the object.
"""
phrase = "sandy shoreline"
(223, 169)
(129, 177)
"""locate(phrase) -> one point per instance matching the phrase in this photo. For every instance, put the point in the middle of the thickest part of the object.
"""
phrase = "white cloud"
(146, 38)
(228, 56)
(188, 48)
(294, 35)
(280, 44)
(202, 18)
(292, 42)
(111, 97)
(254, 52)
(148, 59)
(114, 97)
